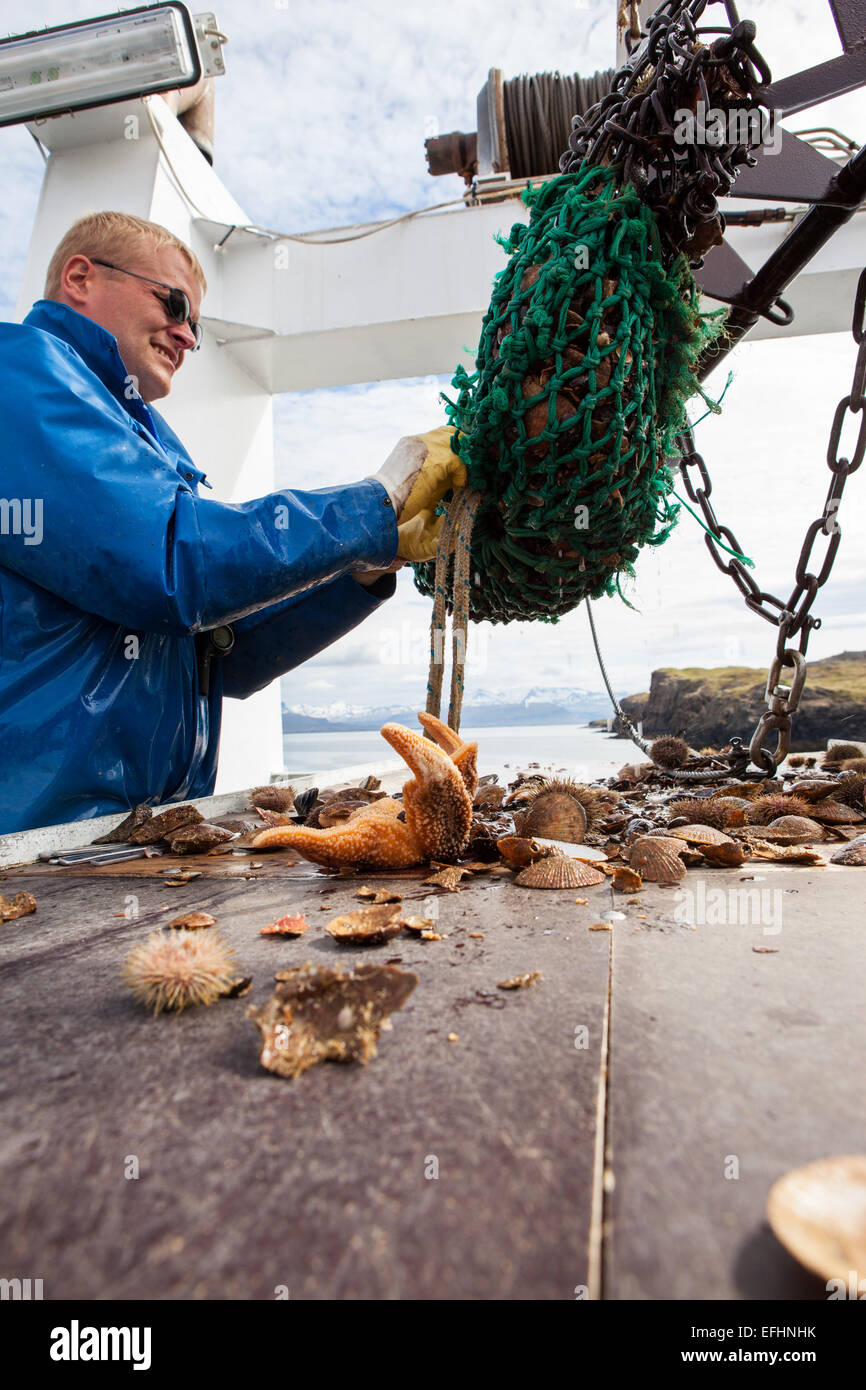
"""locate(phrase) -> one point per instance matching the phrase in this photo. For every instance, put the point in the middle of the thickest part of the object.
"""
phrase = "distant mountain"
(485, 709)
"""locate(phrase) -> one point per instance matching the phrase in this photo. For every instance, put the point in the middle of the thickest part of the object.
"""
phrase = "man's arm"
(279, 638)
(124, 537)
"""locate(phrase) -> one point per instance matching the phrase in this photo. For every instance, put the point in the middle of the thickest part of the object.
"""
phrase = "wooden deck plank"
(248, 1182)
(724, 1057)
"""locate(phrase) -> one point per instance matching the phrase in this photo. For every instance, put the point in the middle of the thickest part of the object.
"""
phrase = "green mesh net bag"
(584, 366)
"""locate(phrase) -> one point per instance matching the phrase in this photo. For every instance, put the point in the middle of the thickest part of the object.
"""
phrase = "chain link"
(794, 616)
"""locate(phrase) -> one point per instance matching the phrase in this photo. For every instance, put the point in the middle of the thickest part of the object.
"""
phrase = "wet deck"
(719, 1059)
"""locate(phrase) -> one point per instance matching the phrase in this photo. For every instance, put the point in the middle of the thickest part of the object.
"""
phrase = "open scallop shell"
(557, 872)
(819, 1214)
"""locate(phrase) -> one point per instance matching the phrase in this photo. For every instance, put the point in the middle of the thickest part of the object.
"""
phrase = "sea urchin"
(181, 969)
(700, 811)
(669, 751)
(768, 808)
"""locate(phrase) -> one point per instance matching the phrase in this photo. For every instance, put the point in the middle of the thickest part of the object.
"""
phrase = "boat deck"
(611, 1131)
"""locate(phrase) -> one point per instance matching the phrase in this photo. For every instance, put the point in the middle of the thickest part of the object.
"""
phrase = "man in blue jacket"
(116, 574)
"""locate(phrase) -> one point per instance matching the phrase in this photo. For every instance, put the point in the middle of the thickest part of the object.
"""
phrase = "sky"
(321, 120)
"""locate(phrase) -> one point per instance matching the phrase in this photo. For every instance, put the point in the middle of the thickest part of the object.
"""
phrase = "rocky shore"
(708, 706)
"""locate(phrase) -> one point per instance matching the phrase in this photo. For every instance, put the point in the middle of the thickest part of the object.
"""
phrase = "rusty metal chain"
(795, 616)
(635, 125)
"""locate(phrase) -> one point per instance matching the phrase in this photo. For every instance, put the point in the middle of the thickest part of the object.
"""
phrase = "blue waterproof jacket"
(111, 562)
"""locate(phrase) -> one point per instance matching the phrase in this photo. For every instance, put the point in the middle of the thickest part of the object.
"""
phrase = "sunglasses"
(176, 302)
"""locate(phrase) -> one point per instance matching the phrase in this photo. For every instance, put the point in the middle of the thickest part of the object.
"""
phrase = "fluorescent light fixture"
(96, 62)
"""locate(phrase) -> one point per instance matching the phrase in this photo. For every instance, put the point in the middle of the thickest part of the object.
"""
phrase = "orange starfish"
(437, 807)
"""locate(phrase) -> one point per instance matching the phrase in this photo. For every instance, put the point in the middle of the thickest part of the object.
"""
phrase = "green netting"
(585, 363)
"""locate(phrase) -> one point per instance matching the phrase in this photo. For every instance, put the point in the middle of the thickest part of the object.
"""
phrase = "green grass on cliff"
(843, 675)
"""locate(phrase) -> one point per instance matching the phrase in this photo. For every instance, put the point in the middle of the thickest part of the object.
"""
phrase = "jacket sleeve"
(124, 537)
(279, 638)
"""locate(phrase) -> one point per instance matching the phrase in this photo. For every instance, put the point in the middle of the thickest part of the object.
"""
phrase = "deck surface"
(321, 1187)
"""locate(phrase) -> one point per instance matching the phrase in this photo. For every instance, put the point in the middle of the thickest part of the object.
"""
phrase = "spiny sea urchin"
(853, 765)
(768, 808)
(700, 811)
(851, 790)
(181, 969)
(838, 752)
(273, 798)
(669, 751)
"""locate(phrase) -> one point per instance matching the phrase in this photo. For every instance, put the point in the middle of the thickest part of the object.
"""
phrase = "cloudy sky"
(321, 121)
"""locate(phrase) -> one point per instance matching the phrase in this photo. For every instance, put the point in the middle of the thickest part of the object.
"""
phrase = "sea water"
(573, 750)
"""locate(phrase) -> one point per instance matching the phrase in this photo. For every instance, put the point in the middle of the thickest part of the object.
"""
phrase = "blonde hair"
(108, 235)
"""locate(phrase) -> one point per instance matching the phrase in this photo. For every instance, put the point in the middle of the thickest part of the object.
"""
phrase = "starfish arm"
(438, 806)
(376, 841)
(463, 755)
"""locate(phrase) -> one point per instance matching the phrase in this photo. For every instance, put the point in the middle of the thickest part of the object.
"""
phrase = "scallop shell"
(729, 856)
(657, 859)
(556, 815)
(836, 813)
(812, 788)
(819, 1214)
(798, 830)
(849, 854)
(519, 852)
(700, 835)
(557, 872)
(194, 920)
(368, 926)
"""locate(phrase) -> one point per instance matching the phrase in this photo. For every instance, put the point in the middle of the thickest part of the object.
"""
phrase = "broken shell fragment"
(178, 877)
(193, 921)
(558, 872)
(368, 926)
(785, 854)
(318, 1014)
(819, 1214)
(521, 981)
(286, 926)
(627, 880)
(449, 877)
(419, 925)
(21, 905)
(378, 895)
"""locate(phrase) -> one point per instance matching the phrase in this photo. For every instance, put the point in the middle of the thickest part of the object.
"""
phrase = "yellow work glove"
(417, 539)
(440, 471)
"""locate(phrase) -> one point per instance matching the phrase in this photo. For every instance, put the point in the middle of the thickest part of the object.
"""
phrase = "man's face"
(151, 343)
